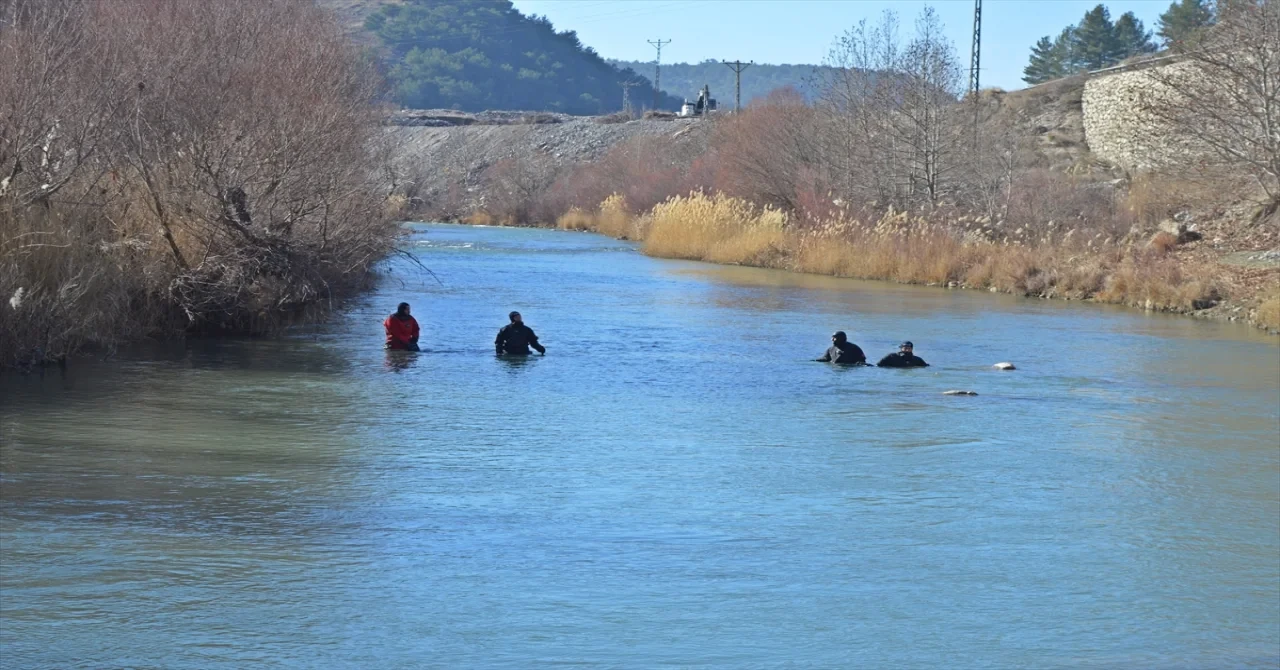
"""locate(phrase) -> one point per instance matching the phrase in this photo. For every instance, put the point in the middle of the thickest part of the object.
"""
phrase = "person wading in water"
(843, 352)
(402, 329)
(515, 338)
(903, 358)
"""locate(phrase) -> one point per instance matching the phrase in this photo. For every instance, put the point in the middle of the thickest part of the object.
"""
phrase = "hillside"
(686, 79)
(474, 55)
(451, 163)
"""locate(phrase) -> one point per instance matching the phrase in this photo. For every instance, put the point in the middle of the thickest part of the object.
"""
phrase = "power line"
(737, 67)
(657, 72)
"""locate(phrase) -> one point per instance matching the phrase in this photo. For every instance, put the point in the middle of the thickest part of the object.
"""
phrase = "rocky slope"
(447, 154)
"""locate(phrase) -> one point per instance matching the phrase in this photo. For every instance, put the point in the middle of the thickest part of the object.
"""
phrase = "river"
(675, 483)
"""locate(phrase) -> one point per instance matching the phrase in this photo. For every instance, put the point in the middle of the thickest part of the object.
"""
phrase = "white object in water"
(1004, 366)
(959, 393)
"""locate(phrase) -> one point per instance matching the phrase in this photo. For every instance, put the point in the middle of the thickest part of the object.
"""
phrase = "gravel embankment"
(447, 154)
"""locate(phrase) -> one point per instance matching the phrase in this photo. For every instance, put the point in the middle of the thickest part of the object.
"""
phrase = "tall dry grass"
(716, 228)
(613, 218)
(911, 249)
(1268, 315)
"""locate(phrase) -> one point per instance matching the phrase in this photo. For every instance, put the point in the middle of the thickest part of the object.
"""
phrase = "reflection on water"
(674, 483)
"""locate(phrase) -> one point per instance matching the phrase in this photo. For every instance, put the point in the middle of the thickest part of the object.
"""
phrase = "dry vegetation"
(169, 167)
(884, 177)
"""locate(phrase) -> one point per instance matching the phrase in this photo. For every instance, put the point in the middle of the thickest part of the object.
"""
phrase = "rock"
(1173, 227)
(1180, 230)
(1004, 366)
(959, 393)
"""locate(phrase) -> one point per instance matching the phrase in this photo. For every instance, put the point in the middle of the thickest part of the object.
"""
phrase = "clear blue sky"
(801, 31)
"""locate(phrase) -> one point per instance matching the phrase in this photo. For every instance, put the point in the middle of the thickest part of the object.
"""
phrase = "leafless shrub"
(770, 153)
(207, 166)
(1223, 98)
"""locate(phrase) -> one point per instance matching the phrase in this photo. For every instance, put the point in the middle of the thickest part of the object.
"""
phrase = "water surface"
(673, 484)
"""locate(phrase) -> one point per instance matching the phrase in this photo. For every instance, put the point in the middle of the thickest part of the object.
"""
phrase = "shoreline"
(1225, 310)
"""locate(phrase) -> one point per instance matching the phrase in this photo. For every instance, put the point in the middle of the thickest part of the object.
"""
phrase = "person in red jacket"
(402, 329)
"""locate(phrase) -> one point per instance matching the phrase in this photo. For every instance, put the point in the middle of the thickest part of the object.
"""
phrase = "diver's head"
(515, 317)
(402, 309)
(839, 337)
(906, 347)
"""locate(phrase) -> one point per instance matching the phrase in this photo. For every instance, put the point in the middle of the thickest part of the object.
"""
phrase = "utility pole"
(626, 95)
(737, 67)
(657, 71)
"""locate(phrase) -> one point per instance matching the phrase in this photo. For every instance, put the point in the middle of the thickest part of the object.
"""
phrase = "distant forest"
(475, 55)
(686, 79)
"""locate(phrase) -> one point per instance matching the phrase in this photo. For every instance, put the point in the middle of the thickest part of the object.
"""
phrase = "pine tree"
(1064, 49)
(1132, 37)
(1046, 62)
(1095, 42)
(1184, 20)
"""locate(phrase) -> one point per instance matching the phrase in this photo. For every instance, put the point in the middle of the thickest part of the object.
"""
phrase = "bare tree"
(857, 95)
(892, 133)
(1222, 100)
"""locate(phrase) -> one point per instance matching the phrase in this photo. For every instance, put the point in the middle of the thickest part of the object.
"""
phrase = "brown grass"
(902, 248)
(715, 228)
(1268, 315)
(1162, 242)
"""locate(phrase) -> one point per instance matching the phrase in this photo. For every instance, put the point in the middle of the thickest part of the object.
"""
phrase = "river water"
(675, 483)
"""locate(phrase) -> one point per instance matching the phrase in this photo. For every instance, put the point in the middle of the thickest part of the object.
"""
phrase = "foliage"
(232, 185)
(1094, 43)
(1185, 20)
(484, 54)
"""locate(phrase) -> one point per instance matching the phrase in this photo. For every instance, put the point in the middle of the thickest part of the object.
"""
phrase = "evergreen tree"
(1132, 37)
(1184, 20)
(1064, 48)
(485, 54)
(1094, 43)
(1045, 63)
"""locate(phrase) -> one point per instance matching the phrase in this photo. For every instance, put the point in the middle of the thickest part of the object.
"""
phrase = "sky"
(802, 31)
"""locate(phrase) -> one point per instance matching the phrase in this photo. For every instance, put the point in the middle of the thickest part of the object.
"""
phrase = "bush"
(232, 188)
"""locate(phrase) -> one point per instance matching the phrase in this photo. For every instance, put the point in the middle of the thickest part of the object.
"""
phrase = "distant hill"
(476, 55)
(686, 79)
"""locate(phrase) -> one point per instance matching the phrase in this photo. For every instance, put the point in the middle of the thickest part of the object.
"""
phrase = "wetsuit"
(844, 353)
(515, 339)
(402, 332)
(902, 360)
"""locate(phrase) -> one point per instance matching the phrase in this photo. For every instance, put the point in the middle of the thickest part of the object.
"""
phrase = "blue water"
(674, 484)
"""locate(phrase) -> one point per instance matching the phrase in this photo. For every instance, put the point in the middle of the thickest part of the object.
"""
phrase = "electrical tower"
(975, 57)
(737, 67)
(626, 95)
(975, 62)
(657, 71)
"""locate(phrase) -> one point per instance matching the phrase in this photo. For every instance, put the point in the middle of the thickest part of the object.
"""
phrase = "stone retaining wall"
(1116, 127)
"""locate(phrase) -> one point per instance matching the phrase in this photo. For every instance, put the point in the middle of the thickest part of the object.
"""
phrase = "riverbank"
(1142, 274)
(170, 210)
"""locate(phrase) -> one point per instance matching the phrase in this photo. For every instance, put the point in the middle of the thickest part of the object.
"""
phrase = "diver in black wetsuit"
(515, 338)
(843, 352)
(904, 358)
